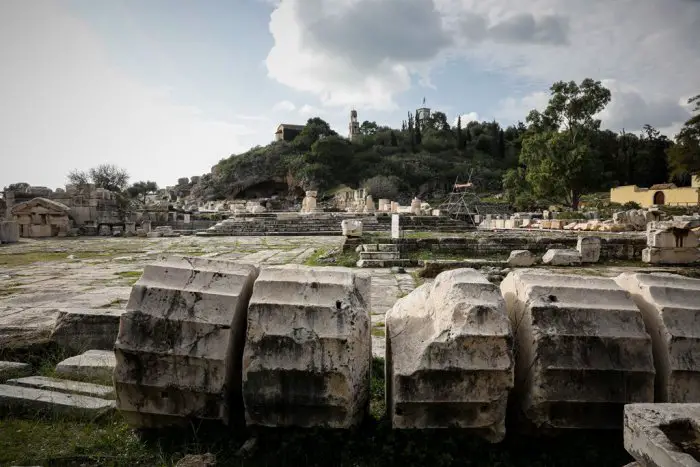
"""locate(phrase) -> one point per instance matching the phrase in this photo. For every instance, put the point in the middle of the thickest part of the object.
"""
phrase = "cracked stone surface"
(42, 278)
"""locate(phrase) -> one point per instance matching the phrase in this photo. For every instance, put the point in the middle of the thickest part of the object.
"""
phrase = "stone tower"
(354, 126)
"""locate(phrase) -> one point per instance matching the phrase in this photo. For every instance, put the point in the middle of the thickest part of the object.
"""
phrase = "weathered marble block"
(180, 342)
(559, 257)
(654, 434)
(78, 330)
(308, 348)
(521, 259)
(581, 348)
(449, 356)
(670, 255)
(670, 305)
(589, 249)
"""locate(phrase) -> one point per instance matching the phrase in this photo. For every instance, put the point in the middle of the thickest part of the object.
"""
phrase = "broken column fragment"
(663, 435)
(308, 350)
(670, 305)
(581, 348)
(180, 342)
(449, 356)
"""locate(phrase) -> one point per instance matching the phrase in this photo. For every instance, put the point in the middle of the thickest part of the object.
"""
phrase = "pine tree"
(418, 135)
(394, 141)
(460, 142)
(410, 132)
(501, 145)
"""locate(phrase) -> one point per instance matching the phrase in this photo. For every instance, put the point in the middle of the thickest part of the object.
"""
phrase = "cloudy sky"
(166, 88)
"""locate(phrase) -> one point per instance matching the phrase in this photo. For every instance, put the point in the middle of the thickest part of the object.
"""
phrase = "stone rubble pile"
(672, 242)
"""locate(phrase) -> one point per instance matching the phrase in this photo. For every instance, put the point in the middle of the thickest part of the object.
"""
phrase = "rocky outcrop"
(581, 347)
(449, 356)
(180, 342)
(670, 305)
(307, 353)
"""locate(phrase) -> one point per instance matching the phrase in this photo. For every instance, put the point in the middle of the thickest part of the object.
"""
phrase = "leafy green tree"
(314, 129)
(381, 186)
(684, 156)
(107, 176)
(368, 128)
(140, 190)
(560, 163)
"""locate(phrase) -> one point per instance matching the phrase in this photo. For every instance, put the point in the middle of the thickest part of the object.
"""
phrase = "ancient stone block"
(662, 435)
(94, 364)
(581, 348)
(65, 386)
(17, 399)
(433, 381)
(589, 249)
(351, 227)
(307, 353)
(78, 330)
(670, 255)
(557, 257)
(521, 259)
(9, 232)
(180, 342)
(670, 305)
(13, 370)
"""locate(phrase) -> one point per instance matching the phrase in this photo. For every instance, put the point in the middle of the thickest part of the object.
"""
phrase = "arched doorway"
(659, 197)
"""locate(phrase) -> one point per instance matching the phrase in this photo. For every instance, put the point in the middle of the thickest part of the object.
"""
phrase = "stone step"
(18, 399)
(380, 255)
(65, 386)
(383, 263)
(93, 364)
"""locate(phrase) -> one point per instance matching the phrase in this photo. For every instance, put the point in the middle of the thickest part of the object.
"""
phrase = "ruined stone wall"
(482, 244)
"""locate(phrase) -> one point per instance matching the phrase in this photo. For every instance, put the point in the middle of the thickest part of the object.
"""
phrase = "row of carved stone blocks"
(293, 344)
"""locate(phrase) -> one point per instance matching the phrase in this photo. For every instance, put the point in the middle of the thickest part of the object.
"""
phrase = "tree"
(460, 140)
(141, 189)
(368, 128)
(79, 178)
(417, 131)
(314, 129)
(382, 187)
(684, 156)
(110, 177)
(20, 186)
(438, 121)
(394, 141)
(560, 163)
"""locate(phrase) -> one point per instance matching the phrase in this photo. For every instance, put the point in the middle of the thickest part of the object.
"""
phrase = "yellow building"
(667, 193)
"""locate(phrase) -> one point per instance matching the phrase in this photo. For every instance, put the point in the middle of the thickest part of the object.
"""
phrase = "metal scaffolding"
(463, 202)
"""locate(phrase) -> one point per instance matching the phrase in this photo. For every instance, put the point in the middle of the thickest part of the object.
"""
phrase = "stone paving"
(39, 277)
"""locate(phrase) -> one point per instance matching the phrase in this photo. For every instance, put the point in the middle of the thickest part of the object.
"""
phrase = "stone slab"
(10, 370)
(78, 330)
(647, 428)
(22, 400)
(589, 249)
(97, 365)
(670, 306)
(521, 259)
(307, 353)
(65, 386)
(432, 382)
(180, 342)
(559, 257)
(671, 255)
(581, 347)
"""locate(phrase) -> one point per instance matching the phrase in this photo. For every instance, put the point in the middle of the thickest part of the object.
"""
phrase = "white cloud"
(65, 106)
(337, 50)
(310, 111)
(466, 118)
(283, 106)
